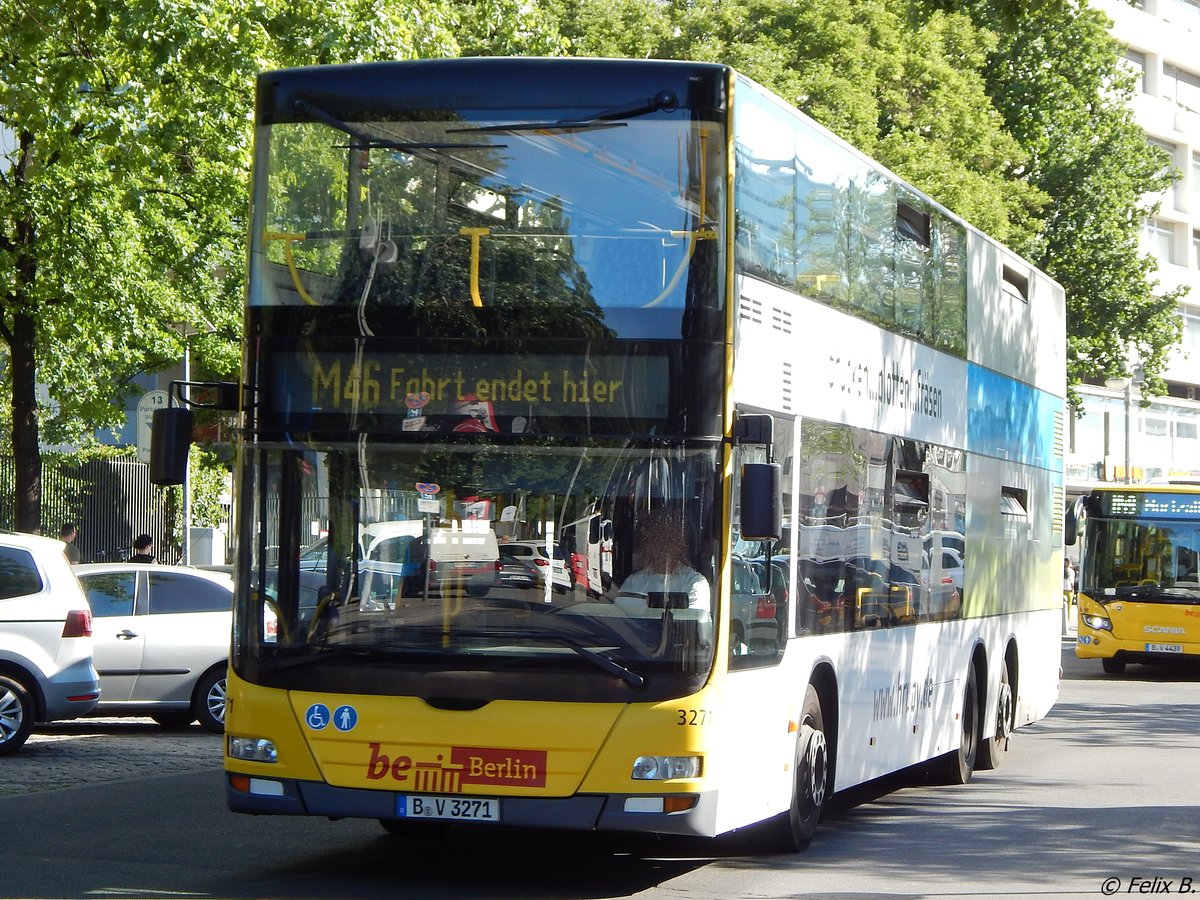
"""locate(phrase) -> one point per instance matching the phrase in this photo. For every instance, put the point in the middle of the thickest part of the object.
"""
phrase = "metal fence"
(111, 501)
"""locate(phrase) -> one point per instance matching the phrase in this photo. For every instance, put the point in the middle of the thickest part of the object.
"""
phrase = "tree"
(909, 93)
(1056, 78)
(123, 179)
(1014, 115)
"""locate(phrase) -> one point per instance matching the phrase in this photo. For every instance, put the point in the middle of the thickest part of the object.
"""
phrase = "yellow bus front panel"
(1131, 631)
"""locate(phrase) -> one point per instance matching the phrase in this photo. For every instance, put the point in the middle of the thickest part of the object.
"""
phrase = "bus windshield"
(443, 558)
(1142, 559)
(445, 222)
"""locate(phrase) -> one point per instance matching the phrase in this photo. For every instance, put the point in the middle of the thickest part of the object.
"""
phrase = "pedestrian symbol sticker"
(317, 716)
(345, 718)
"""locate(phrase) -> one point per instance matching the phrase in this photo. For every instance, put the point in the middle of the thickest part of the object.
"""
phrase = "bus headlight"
(660, 768)
(253, 749)
(1099, 623)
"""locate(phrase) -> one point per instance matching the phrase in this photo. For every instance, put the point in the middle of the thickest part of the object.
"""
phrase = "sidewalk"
(1070, 621)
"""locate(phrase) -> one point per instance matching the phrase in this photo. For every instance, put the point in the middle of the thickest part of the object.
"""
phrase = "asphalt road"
(1104, 788)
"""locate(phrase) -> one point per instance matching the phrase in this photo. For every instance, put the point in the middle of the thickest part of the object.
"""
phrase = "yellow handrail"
(291, 261)
(475, 234)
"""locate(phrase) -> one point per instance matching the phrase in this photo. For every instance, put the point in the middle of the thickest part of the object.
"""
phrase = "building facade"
(1116, 439)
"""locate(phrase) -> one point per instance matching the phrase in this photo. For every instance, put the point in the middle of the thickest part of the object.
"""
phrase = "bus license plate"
(1164, 648)
(461, 809)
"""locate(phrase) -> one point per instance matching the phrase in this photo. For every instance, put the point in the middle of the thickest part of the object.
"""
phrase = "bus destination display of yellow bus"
(1160, 504)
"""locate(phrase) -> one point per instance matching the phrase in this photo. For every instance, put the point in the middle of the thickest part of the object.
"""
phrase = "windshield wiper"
(630, 677)
(364, 139)
(316, 655)
(1151, 592)
(664, 101)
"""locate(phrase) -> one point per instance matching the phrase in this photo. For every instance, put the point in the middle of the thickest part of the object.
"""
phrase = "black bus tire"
(793, 830)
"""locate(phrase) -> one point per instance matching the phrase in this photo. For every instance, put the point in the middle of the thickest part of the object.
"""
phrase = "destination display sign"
(1146, 504)
(480, 392)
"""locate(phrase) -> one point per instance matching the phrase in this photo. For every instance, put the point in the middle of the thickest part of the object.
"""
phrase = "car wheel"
(208, 703)
(174, 718)
(16, 714)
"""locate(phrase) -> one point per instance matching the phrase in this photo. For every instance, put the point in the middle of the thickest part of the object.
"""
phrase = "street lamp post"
(186, 330)
(1127, 384)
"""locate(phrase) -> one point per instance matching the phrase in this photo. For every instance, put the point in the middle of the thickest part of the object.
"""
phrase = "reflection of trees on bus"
(426, 236)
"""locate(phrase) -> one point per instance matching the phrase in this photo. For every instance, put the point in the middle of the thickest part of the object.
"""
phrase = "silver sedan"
(161, 640)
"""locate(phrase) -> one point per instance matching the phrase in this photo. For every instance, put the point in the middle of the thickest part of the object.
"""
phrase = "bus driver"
(661, 549)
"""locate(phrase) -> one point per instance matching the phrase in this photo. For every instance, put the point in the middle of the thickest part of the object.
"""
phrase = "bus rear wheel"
(957, 766)
(992, 749)
(793, 831)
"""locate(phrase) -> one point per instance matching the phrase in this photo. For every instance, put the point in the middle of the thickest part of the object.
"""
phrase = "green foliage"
(208, 477)
(123, 191)
(909, 93)
(1056, 79)
(1015, 116)
(123, 201)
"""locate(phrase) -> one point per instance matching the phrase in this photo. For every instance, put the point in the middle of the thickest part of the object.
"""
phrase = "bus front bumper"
(1094, 644)
(583, 812)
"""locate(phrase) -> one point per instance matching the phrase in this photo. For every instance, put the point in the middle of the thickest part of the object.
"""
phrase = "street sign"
(148, 403)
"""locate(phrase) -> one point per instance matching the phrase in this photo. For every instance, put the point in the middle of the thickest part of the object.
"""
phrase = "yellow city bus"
(1139, 574)
(506, 297)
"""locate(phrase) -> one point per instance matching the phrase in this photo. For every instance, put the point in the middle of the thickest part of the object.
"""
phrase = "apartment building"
(1117, 439)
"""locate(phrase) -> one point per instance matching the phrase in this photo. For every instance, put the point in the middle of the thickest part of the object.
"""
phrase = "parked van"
(46, 670)
(402, 562)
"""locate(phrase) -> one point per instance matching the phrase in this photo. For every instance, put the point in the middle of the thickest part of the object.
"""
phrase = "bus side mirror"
(170, 440)
(1073, 520)
(761, 502)
(754, 429)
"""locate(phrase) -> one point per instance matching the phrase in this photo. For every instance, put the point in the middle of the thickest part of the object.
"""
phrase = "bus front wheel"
(794, 829)
(1112, 667)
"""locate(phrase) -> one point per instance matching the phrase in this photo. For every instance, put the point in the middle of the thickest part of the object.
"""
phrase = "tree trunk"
(27, 454)
(22, 340)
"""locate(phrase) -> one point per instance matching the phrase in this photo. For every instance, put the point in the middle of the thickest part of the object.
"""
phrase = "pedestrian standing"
(143, 549)
(67, 535)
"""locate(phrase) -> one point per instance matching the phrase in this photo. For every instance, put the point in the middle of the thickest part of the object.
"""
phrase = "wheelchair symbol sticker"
(345, 718)
(317, 716)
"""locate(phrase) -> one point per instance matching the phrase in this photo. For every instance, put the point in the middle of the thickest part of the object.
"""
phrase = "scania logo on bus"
(1164, 629)
(468, 766)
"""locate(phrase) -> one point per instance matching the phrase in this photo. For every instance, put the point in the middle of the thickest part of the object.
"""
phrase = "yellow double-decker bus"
(1139, 574)
(645, 308)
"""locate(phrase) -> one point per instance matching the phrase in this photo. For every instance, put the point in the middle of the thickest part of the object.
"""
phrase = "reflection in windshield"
(591, 233)
(451, 555)
(1142, 559)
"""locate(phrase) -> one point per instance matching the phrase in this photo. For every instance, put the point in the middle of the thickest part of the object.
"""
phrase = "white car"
(46, 670)
(162, 636)
(534, 555)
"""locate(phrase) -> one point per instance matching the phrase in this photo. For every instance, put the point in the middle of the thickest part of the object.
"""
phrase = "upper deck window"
(1016, 284)
(819, 218)
(455, 222)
